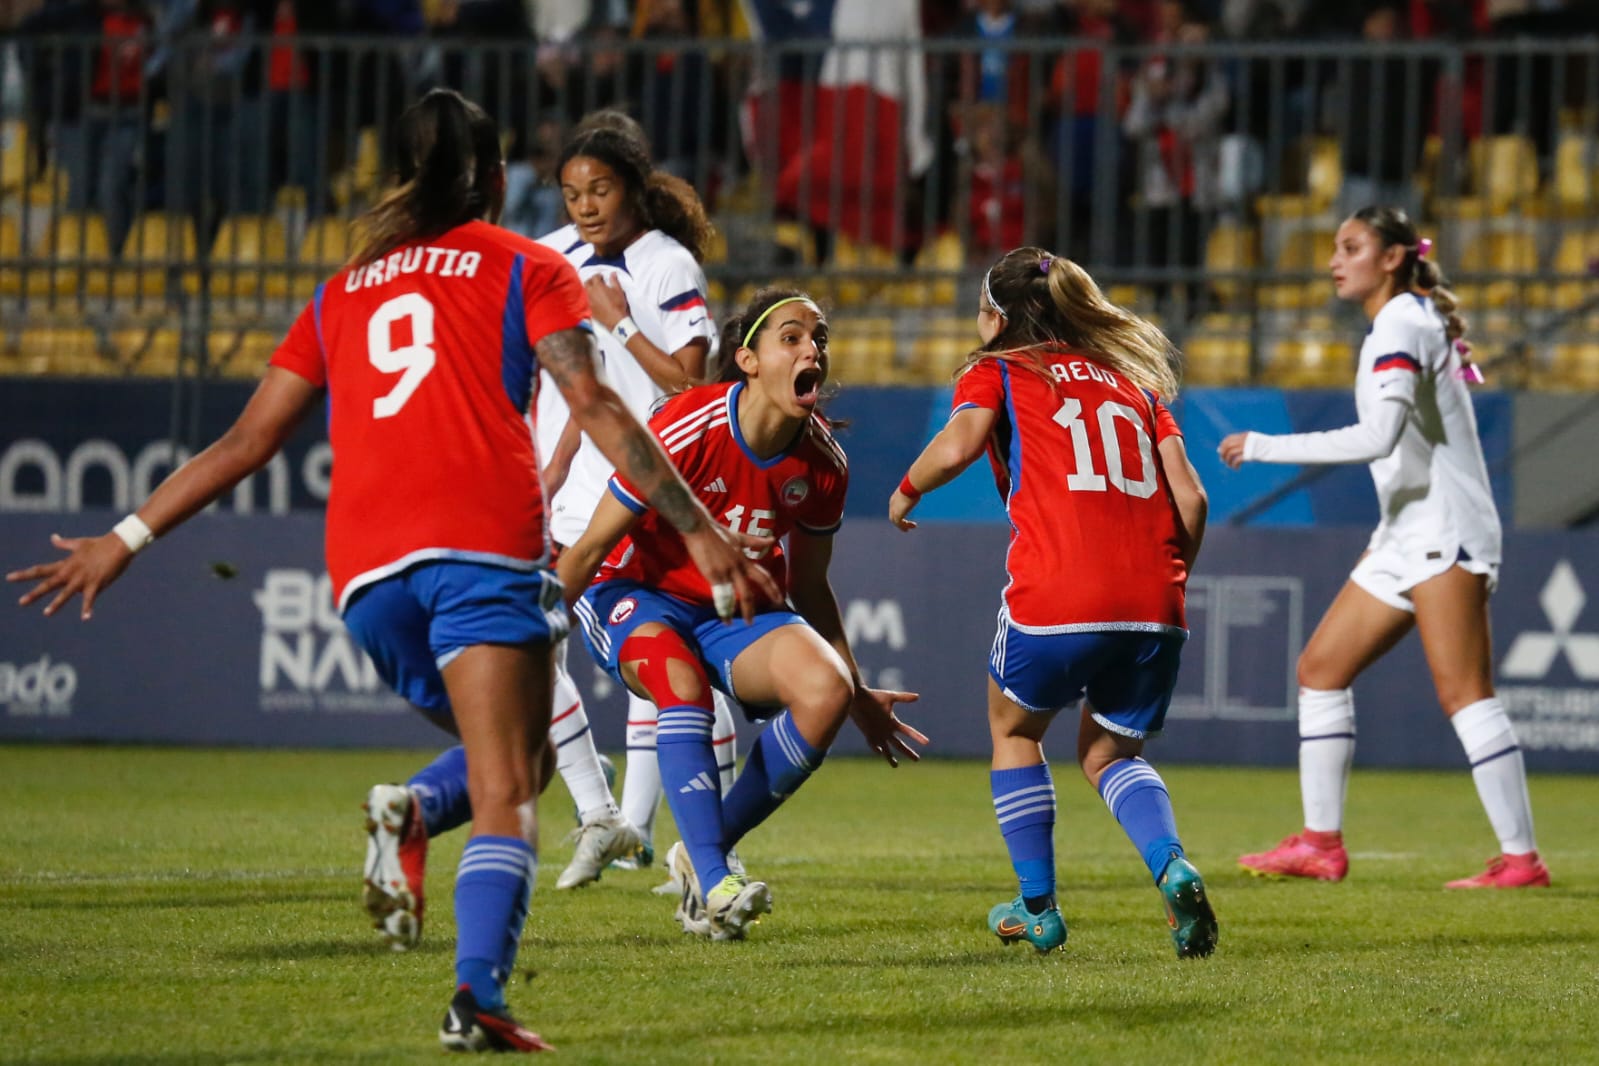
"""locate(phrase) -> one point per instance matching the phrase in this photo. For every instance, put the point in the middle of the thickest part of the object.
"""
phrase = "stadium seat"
(1512, 253)
(1217, 351)
(1324, 171)
(1304, 252)
(1572, 192)
(77, 246)
(1310, 363)
(13, 155)
(327, 246)
(67, 350)
(1575, 366)
(154, 352)
(240, 353)
(356, 183)
(942, 346)
(247, 258)
(848, 256)
(10, 248)
(1504, 171)
(156, 245)
(862, 350)
(1231, 249)
(1576, 255)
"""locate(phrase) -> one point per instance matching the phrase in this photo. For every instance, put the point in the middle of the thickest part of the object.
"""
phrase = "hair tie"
(749, 335)
(1423, 246)
(1043, 264)
(1468, 371)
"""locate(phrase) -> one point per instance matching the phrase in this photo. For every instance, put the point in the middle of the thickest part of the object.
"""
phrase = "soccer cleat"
(1297, 856)
(735, 905)
(1509, 871)
(642, 858)
(690, 912)
(607, 837)
(470, 1027)
(396, 864)
(1188, 912)
(1011, 922)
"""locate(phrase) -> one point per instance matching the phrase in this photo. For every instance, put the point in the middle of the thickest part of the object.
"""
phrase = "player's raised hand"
(872, 710)
(91, 565)
(899, 509)
(607, 301)
(739, 584)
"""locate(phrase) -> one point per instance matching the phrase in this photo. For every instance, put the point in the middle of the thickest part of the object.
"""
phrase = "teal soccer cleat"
(1193, 923)
(1011, 922)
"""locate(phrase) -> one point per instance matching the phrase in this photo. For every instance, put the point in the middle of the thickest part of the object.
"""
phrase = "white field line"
(156, 877)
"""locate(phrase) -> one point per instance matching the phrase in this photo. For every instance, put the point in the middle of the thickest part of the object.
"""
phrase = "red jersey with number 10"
(802, 488)
(427, 356)
(1094, 542)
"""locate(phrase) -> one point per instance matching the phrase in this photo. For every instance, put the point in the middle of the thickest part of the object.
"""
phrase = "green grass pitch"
(162, 906)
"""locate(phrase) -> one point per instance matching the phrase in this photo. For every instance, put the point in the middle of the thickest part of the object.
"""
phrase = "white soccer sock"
(724, 741)
(1326, 749)
(641, 786)
(575, 755)
(1499, 771)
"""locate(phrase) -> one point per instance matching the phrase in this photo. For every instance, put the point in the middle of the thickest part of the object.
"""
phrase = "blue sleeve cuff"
(630, 501)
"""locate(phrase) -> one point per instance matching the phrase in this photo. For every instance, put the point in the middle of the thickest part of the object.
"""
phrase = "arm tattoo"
(568, 354)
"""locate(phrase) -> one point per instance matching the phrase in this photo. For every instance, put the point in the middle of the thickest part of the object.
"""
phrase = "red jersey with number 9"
(1094, 541)
(802, 487)
(427, 356)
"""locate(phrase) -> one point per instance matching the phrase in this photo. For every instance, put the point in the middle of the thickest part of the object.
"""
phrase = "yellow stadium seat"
(10, 248)
(68, 350)
(154, 352)
(861, 351)
(1304, 251)
(942, 346)
(1572, 187)
(792, 236)
(1217, 350)
(240, 353)
(358, 181)
(1231, 249)
(1309, 363)
(1575, 366)
(1504, 170)
(247, 258)
(1512, 252)
(1324, 171)
(1576, 253)
(78, 248)
(326, 248)
(848, 256)
(13, 155)
(157, 244)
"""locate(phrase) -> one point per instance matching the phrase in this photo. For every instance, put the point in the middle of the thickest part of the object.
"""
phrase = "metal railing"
(188, 194)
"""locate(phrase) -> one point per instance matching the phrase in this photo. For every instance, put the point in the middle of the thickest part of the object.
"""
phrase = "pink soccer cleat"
(1509, 871)
(1309, 854)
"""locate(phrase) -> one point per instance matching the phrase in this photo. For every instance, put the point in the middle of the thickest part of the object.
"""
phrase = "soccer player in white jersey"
(1431, 564)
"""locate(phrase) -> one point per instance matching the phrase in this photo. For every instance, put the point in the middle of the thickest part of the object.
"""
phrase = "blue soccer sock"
(693, 790)
(440, 787)
(492, 888)
(778, 765)
(1138, 799)
(1024, 803)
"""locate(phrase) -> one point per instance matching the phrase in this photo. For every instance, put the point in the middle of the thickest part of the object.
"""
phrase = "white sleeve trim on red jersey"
(1366, 441)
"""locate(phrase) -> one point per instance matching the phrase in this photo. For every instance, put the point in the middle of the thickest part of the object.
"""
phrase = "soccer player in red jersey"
(760, 456)
(428, 345)
(1106, 512)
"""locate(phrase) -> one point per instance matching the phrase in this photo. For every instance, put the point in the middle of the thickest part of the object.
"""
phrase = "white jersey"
(1418, 433)
(665, 291)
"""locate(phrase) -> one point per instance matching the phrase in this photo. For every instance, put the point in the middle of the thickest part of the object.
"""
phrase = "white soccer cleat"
(396, 865)
(601, 841)
(690, 912)
(735, 905)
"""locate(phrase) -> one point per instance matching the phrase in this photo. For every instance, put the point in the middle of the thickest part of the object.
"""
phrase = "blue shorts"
(611, 610)
(414, 623)
(1127, 675)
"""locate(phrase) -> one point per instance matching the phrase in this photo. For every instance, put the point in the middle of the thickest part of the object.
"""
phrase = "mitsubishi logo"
(1532, 653)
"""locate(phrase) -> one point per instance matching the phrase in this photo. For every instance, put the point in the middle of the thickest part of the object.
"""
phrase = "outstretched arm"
(1369, 439)
(955, 448)
(812, 595)
(598, 411)
(277, 406)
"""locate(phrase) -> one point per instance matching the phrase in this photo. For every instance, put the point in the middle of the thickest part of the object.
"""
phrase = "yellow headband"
(750, 334)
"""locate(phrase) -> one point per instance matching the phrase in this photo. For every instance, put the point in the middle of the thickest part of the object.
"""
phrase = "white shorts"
(1390, 574)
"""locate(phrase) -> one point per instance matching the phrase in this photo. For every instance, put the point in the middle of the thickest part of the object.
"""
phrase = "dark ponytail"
(656, 199)
(447, 153)
(1416, 272)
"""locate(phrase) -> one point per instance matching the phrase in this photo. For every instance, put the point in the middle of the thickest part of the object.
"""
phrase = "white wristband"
(625, 330)
(134, 533)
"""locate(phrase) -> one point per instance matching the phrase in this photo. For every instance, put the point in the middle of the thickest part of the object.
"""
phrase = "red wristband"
(911, 491)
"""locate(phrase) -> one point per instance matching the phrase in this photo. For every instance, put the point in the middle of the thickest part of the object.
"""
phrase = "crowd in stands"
(211, 107)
